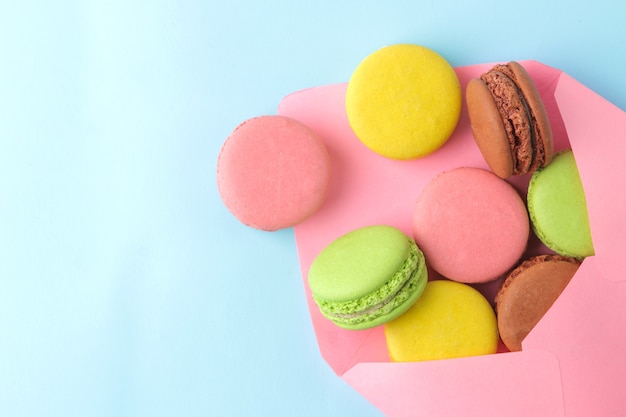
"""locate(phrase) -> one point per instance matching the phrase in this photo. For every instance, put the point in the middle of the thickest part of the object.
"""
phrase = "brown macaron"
(509, 120)
(527, 294)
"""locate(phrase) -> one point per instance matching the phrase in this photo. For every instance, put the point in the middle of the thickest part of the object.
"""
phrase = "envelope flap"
(586, 330)
(511, 384)
(597, 134)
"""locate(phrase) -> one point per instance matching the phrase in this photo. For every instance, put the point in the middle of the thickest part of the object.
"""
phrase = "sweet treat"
(509, 120)
(558, 209)
(367, 277)
(403, 101)
(450, 320)
(471, 225)
(273, 172)
(527, 294)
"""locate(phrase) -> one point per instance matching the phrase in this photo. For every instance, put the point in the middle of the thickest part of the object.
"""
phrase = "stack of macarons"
(469, 225)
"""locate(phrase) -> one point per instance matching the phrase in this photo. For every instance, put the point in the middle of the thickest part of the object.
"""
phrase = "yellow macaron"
(403, 101)
(450, 320)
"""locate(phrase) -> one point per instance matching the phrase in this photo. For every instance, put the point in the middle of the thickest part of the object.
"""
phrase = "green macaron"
(558, 209)
(367, 277)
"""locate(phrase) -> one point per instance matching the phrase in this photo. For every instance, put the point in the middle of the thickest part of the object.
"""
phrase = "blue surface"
(126, 287)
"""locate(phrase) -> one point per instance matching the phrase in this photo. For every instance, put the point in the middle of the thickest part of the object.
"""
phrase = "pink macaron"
(273, 172)
(471, 225)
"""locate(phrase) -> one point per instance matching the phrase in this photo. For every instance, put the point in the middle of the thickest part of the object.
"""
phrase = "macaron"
(527, 294)
(367, 277)
(509, 120)
(471, 225)
(273, 172)
(450, 320)
(558, 208)
(403, 101)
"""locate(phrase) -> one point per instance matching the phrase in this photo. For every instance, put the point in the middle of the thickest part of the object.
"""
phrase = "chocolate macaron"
(528, 292)
(509, 120)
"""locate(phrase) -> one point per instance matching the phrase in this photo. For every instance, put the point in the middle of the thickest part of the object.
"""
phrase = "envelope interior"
(575, 357)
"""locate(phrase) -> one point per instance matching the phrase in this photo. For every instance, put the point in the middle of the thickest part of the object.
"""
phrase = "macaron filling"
(516, 116)
(405, 285)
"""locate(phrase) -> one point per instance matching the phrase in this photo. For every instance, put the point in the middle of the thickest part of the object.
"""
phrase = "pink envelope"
(574, 362)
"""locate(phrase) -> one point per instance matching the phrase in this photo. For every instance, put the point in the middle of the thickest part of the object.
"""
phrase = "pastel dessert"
(509, 120)
(367, 277)
(450, 320)
(558, 209)
(273, 172)
(403, 101)
(471, 225)
(527, 294)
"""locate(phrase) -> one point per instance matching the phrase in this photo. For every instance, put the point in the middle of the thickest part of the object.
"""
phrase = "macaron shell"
(558, 209)
(471, 225)
(403, 101)
(273, 172)
(450, 320)
(528, 293)
(521, 141)
(358, 263)
(488, 129)
(367, 277)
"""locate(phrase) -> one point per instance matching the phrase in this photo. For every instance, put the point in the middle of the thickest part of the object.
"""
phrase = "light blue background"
(126, 287)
